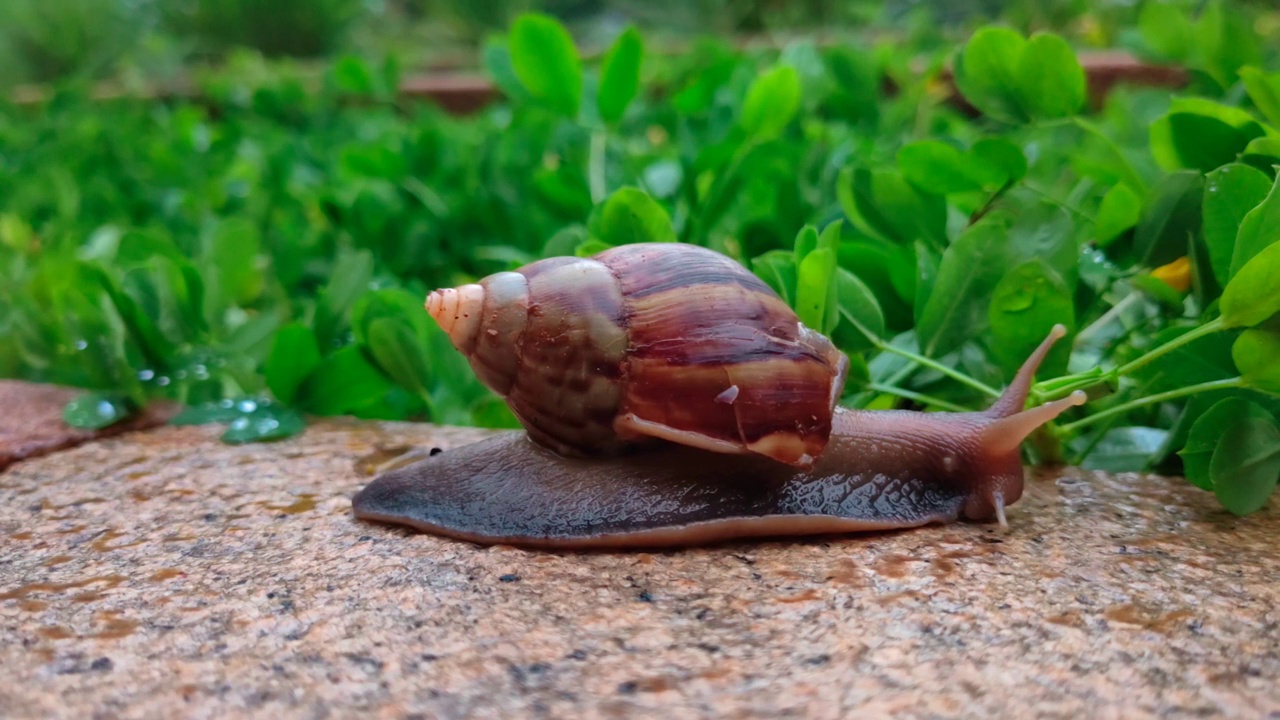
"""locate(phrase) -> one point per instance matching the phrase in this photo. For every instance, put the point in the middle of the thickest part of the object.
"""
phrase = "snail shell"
(654, 340)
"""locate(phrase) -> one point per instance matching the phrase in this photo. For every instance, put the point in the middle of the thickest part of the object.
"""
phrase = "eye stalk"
(1004, 426)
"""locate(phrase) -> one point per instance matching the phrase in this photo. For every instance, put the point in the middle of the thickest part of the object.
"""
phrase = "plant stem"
(1207, 329)
(922, 360)
(595, 166)
(990, 203)
(1055, 201)
(1108, 316)
(1085, 381)
(935, 365)
(918, 397)
(1227, 384)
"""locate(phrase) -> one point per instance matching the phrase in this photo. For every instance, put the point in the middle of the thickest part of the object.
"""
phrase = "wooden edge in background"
(462, 93)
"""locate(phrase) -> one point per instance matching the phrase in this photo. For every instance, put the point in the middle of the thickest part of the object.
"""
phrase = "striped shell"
(662, 340)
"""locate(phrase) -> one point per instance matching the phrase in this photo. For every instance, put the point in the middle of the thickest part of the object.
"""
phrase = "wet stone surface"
(163, 574)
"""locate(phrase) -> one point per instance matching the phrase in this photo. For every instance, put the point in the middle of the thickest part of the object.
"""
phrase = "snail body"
(690, 406)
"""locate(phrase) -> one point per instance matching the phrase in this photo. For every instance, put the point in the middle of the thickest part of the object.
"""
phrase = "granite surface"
(163, 574)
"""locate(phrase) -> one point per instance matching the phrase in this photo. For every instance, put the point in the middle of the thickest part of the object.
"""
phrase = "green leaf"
(1028, 301)
(1050, 80)
(620, 75)
(831, 236)
(1207, 431)
(957, 305)
(1226, 41)
(940, 168)
(771, 103)
(496, 58)
(859, 311)
(629, 216)
(1246, 464)
(1264, 91)
(1253, 295)
(546, 61)
(294, 355)
(94, 411)
(266, 423)
(1201, 134)
(778, 269)
(352, 272)
(1173, 213)
(1205, 143)
(1259, 229)
(805, 243)
(1120, 210)
(232, 255)
(1003, 159)
(1166, 29)
(987, 72)
(400, 353)
(815, 289)
(1230, 193)
(343, 382)
(1257, 355)
(882, 203)
(1262, 153)
(936, 167)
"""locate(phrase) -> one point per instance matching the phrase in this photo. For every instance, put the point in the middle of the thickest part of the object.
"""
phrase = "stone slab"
(31, 420)
(163, 574)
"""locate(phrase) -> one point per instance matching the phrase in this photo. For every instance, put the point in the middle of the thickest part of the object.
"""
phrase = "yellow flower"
(1176, 274)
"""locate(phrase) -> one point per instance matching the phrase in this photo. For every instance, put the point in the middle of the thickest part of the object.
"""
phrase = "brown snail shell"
(653, 340)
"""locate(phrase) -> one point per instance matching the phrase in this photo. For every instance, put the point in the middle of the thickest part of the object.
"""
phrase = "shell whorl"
(648, 340)
(457, 312)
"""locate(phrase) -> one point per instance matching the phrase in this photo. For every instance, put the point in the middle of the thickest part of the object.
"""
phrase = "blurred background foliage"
(152, 40)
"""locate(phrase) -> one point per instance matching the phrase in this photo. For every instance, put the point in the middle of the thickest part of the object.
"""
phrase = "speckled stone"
(31, 420)
(163, 574)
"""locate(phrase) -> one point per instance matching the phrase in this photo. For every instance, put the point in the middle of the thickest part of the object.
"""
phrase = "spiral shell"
(652, 340)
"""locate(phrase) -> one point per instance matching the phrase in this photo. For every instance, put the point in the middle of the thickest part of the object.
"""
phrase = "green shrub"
(295, 28)
(53, 39)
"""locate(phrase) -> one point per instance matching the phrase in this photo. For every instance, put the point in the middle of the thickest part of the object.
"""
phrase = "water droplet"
(1019, 301)
(146, 375)
(162, 381)
(81, 345)
(247, 406)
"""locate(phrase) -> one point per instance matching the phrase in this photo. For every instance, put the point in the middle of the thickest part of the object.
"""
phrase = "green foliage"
(49, 39)
(1015, 79)
(299, 28)
(546, 61)
(620, 75)
(263, 255)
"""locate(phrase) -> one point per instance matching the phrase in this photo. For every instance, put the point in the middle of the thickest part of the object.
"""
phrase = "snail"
(671, 398)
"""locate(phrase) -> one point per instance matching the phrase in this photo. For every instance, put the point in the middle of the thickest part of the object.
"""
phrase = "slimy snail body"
(671, 398)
